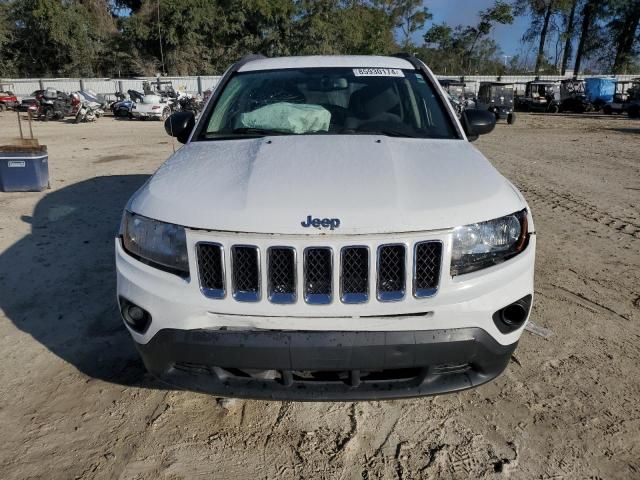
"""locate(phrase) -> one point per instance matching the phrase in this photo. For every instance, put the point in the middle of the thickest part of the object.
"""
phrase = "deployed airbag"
(288, 117)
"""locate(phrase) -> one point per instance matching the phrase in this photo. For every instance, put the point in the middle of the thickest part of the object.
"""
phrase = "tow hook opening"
(135, 316)
(511, 317)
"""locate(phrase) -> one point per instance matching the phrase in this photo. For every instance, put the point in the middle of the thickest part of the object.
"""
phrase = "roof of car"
(311, 61)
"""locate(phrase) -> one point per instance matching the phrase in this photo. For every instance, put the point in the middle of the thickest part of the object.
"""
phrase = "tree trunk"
(587, 14)
(543, 35)
(625, 38)
(568, 35)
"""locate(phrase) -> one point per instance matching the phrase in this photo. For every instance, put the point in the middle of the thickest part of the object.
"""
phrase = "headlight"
(484, 244)
(160, 244)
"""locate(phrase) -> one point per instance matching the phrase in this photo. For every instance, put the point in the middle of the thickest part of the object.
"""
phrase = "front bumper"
(321, 365)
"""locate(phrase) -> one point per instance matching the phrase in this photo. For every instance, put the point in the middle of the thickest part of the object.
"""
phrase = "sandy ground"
(76, 403)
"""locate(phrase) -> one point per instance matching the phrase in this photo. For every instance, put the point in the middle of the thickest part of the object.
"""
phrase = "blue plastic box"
(24, 169)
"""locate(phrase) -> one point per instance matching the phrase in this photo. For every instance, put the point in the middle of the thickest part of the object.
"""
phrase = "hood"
(370, 184)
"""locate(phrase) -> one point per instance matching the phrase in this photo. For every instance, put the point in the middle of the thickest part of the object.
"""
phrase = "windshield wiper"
(381, 131)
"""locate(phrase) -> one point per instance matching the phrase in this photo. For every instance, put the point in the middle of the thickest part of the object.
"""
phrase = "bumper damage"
(322, 365)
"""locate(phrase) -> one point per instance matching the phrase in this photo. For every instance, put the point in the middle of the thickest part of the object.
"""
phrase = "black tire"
(607, 110)
(165, 113)
(511, 118)
(633, 111)
(497, 115)
(554, 108)
(3, 107)
(48, 114)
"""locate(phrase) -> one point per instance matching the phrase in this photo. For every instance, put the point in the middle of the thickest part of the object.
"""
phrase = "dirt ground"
(76, 403)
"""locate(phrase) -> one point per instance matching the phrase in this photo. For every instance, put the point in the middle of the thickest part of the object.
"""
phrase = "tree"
(407, 15)
(589, 12)
(568, 35)
(501, 12)
(624, 28)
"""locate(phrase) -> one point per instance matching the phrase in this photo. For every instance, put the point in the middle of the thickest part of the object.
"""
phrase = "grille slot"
(354, 278)
(245, 260)
(391, 272)
(282, 274)
(211, 269)
(318, 275)
(426, 268)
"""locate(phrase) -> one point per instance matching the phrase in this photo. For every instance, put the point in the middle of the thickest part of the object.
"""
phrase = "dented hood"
(372, 184)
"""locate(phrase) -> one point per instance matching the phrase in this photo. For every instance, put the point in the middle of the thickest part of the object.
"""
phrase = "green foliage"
(186, 37)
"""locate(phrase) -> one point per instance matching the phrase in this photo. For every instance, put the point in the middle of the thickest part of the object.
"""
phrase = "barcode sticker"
(17, 164)
(378, 72)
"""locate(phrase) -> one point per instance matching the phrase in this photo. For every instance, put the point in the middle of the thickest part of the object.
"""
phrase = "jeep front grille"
(394, 272)
(391, 272)
(318, 275)
(354, 278)
(245, 261)
(426, 268)
(211, 269)
(281, 270)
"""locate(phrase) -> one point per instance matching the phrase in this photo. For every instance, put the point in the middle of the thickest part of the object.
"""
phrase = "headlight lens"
(162, 244)
(484, 244)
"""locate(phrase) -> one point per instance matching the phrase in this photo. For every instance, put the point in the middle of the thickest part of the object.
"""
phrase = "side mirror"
(179, 125)
(477, 122)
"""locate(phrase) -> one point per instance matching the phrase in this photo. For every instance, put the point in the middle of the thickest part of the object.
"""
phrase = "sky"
(465, 12)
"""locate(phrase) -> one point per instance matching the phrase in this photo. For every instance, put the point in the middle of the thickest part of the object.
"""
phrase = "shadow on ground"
(58, 283)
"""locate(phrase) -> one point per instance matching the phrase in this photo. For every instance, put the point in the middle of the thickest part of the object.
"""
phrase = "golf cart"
(497, 97)
(8, 100)
(572, 96)
(540, 96)
(626, 99)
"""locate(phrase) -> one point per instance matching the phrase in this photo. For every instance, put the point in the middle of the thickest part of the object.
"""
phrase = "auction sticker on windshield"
(378, 72)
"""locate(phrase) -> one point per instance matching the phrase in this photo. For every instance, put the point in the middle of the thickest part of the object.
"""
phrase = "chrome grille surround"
(391, 278)
(282, 280)
(211, 271)
(318, 275)
(354, 274)
(293, 271)
(245, 273)
(427, 268)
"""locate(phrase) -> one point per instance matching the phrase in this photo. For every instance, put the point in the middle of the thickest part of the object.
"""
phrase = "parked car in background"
(151, 107)
(327, 232)
(31, 103)
(8, 101)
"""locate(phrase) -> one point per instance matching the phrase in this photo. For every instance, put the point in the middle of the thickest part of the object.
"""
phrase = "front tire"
(511, 118)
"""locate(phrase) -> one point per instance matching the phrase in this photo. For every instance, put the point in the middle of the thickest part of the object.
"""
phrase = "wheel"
(607, 110)
(497, 114)
(554, 108)
(165, 113)
(3, 107)
(48, 114)
(633, 111)
(511, 118)
(78, 118)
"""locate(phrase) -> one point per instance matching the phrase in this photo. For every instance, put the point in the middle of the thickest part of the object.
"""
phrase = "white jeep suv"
(327, 232)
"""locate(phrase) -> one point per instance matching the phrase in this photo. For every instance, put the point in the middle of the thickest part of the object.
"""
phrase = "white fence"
(106, 86)
(198, 84)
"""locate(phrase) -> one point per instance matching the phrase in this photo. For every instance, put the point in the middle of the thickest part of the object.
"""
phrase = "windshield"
(341, 101)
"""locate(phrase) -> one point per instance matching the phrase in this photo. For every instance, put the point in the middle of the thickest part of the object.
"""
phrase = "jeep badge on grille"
(330, 223)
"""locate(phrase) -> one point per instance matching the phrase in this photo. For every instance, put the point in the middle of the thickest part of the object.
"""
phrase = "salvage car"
(327, 232)
(151, 107)
(8, 101)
